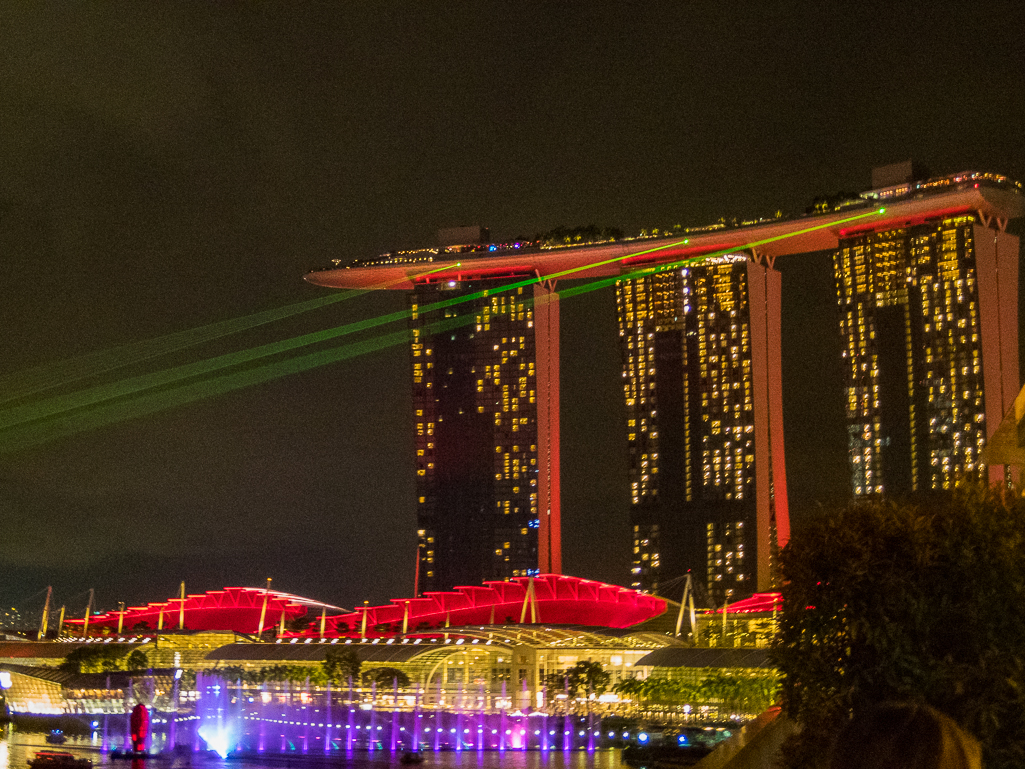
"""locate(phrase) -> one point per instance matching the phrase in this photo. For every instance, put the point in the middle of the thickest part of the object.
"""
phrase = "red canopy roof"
(759, 602)
(558, 600)
(233, 608)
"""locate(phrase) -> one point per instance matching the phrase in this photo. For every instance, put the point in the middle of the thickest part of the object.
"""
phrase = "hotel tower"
(484, 360)
(702, 381)
(929, 320)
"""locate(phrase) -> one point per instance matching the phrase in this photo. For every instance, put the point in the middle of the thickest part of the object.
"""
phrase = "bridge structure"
(990, 205)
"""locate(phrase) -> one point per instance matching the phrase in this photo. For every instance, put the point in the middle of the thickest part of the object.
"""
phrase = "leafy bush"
(101, 658)
(916, 601)
(736, 690)
(294, 674)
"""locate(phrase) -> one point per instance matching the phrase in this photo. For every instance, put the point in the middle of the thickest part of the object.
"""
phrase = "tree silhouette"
(341, 663)
(913, 600)
(386, 677)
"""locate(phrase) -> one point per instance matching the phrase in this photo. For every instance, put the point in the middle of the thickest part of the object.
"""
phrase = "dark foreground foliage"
(918, 601)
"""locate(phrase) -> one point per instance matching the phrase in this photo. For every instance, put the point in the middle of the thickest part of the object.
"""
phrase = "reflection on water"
(16, 748)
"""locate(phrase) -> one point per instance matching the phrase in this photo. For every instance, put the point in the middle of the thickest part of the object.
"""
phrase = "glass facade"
(688, 382)
(476, 433)
(910, 322)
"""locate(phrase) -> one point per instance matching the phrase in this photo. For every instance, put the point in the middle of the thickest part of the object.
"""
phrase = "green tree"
(573, 236)
(739, 691)
(733, 690)
(385, 677)
(233, 673)
(589, 678)
(907, 601)
(340, 664)
(136, 660)
(582, 679)
(293, 674)
(98, 658)
(628, 687)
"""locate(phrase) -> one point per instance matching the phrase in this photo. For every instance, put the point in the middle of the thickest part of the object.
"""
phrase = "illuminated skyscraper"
(483, 404)
(701, 379)
(927, 282)
(929, 319)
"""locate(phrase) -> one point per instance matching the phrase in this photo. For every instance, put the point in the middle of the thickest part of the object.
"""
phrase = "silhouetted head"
(904, 735)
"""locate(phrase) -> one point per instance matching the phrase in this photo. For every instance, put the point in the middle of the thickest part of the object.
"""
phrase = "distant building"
(929, 320)
(701, 381)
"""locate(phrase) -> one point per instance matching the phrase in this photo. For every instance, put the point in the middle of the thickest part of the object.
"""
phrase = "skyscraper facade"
(929, 321)
(701, 381)
(483, 363)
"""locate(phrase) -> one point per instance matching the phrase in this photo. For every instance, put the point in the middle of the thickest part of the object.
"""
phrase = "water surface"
(16, 748)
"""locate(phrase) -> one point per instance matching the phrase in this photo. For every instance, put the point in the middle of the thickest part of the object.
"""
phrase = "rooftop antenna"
(688, 598)
(263, 611)
(181, 611)
(88, 611)
(725, 612)
(529, 599)
(46, 614)
(416, 573)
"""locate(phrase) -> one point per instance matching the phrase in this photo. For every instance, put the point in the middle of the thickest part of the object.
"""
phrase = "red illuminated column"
(996, 270)
(774, 375)
(546, 347)
(764, 300)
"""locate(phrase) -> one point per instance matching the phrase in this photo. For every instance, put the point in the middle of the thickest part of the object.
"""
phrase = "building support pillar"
(773, 515)
(546, 353)
(996, 272)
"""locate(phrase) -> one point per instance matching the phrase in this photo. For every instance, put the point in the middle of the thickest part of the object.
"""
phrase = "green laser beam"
(12, 418)
(23, 383)
(30, 435)
(690, 260)
(36, 410)
(41, 378)
(697, 260)
(43, 409)
(29, 412)
(49, 407)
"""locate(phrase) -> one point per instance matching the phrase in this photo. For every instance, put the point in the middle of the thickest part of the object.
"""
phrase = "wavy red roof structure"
(557, 600)
(758, 603)
(235, 609)
(554, 599)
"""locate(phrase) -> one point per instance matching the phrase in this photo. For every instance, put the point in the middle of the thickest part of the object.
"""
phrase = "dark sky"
(167, 165)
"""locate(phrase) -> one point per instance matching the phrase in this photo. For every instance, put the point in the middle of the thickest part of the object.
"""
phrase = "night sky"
(168, 165)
